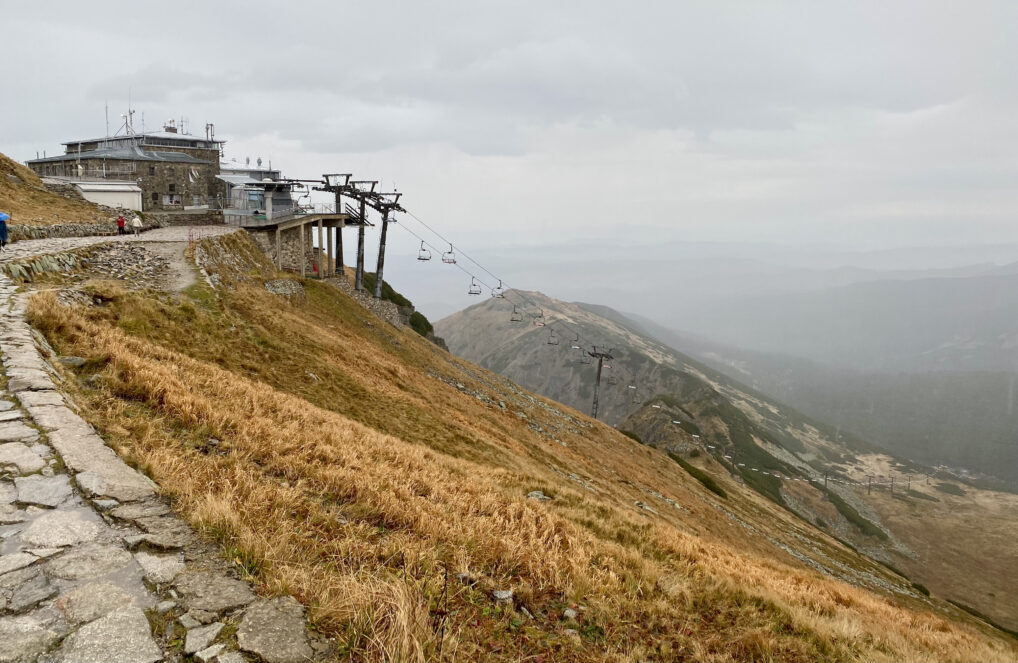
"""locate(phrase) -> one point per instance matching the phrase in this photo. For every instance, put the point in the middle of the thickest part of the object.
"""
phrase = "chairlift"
(552, 339)
(585, 358)
(539, 318)
(449, 257)
(423, 254)
(612, 380)
(498, 292)
(576, 343)
(475, 287)
(517, 315)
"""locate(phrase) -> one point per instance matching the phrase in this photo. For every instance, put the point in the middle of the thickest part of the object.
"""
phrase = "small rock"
(72, 362)
(159, 569)
(572, 634)
(188, 622)
(209, 653)
(201, 637)
(537, 495)
(231, 657)
(275, 631)
(106, 505)
(165, 606)
(203, 616)
(502, 595)
(570, 614)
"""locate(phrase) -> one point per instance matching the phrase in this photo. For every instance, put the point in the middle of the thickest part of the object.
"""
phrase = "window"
(155, 197)
(173, 187)
(172, 171)
(151, 170)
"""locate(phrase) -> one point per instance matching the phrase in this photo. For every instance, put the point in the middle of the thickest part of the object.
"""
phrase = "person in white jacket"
(136, 224)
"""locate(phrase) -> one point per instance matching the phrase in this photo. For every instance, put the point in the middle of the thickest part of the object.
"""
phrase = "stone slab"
(91, 601)
(38, 398)
(23, 639)
(34, 589)
(274, 630)
(123, 636)
(11, 415)
(46, 491)
(21, 457)
(16, 561)
(60, 528)
(89, 560)
(214, 592)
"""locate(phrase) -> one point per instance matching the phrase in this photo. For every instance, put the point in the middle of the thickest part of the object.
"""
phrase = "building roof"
(123, 153)
(237, 179)
(112, 187)
(147, 134)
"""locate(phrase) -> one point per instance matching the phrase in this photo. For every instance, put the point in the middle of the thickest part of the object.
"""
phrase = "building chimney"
(170, 127)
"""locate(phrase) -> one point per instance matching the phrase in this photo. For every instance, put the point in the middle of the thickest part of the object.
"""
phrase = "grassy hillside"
(23, 196)
(384, 484)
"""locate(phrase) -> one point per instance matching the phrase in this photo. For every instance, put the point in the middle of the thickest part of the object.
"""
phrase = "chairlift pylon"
(475, 287)
(498, 292)
(449, 257)
(517, 315)
(423, 254)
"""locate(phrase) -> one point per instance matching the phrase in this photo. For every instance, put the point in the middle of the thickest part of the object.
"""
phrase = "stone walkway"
(93, 565)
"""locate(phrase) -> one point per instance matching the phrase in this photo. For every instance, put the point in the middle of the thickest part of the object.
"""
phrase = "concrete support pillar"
(323, 263)
(279, 250)
(268, 204)
(327, 247)
(302, 256)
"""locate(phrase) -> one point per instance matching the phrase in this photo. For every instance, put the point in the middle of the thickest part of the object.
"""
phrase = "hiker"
(120, 225)
(136, 224)
(4, 217)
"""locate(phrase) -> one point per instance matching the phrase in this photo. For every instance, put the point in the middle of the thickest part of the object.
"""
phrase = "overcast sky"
(875, 124)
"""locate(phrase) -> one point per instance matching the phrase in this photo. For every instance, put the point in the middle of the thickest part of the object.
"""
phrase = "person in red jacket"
(120, 225)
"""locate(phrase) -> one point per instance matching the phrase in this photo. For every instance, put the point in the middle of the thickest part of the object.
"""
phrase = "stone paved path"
(93, 565)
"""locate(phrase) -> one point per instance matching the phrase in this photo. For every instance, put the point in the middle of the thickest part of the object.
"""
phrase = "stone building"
(175, 171)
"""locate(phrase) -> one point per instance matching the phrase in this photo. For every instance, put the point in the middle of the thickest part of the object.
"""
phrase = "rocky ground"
(93, 564)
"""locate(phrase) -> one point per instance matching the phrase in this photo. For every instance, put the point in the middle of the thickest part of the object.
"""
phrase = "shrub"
(699, 475)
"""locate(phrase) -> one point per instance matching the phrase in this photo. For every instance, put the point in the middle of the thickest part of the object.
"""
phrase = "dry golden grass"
(363, 490)
(29, 203)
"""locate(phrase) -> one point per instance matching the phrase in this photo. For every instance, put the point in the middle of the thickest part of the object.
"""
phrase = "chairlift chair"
(423, 254)
(539, 319)
(576, 342)
(475, 287)
(612, 379)
(498, 292)
(517, 315)
(449, 257)
(552, 339)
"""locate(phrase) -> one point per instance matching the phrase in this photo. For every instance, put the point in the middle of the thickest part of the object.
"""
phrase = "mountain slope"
(735, 433)
(385, 484)
(29, 202)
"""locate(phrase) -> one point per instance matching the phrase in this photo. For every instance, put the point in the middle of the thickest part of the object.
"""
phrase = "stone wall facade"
(289, 243)
(189, 218)
(16, 232)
